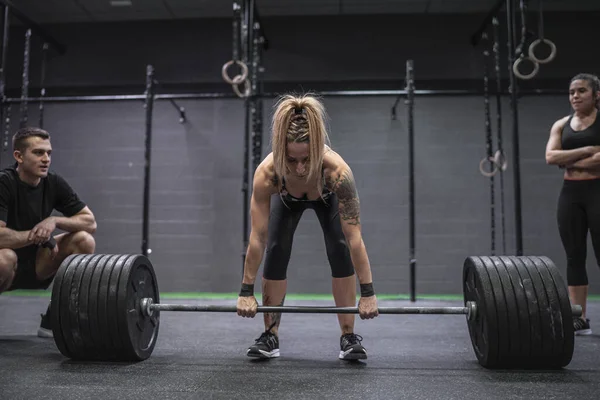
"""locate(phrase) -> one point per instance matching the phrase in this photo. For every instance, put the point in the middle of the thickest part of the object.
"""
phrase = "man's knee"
(8, 264)
(83, 243)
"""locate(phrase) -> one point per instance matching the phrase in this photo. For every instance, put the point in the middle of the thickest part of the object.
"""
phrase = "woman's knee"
(276, 261)
(577, 275)
(338, 254)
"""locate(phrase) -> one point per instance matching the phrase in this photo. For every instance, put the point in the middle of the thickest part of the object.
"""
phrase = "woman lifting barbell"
(302, 172)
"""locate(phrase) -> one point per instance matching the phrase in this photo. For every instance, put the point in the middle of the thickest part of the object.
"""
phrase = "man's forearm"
(254, 256)
(10, 239)
(360, 259)
(80, 222)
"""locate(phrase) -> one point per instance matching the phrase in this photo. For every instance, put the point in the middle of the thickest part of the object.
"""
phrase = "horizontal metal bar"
(310, 309)
(208, 96)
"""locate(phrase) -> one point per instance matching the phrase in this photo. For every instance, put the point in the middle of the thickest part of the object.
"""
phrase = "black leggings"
(283, 221)
(578, 212)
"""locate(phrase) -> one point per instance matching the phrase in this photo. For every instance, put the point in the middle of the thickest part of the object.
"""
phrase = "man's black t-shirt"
(23, 206)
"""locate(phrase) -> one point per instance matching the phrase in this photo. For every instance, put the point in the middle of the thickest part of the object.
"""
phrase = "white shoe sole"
(583, 332)
(45, 333)
(349, 355)
(264, 354)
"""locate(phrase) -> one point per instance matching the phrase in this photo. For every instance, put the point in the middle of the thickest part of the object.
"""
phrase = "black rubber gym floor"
(202, 356)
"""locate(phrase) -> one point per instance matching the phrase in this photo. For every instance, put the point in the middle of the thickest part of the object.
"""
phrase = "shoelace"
(266, 333)
(353, 338)
(580, 323)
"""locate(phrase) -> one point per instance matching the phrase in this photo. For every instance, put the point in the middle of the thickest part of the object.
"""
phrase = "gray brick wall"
(196, 199)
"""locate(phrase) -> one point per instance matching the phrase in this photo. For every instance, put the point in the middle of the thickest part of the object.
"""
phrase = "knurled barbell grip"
(148, 307)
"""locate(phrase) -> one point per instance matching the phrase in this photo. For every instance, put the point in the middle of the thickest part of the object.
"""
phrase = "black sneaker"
(351, 347)
(266, 346)
(582, 326)
(45, 329)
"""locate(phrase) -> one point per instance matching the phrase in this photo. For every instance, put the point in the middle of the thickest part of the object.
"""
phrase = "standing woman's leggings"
(578, 212)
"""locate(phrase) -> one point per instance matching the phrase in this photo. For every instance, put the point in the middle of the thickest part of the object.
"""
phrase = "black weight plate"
(112, 306)
(105, 315)
(83, 307)
(72, 306)
(65, 304)
(546, 330)
(138, 332)
(513, 356)
(522, 309)
(566, 315)
(55, 305)
(502, 318)
(534, 312)
(483, 329)
(98, 326)
(555, 334)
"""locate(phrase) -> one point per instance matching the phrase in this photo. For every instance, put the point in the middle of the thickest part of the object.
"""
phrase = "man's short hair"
(19, 139)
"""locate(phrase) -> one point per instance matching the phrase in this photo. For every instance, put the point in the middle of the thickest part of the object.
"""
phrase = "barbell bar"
(149, 307)
(107, 307)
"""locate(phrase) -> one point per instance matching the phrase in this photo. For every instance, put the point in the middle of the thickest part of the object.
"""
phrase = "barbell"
(106, 307)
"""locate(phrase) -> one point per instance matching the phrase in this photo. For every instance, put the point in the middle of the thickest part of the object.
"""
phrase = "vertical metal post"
(5, 32)
(515, 128)
(496, 50)
(247, 39)
(42, 84)
(488, 142)
(257, 126)
(149, 106)
(25, 83)
(410, 92)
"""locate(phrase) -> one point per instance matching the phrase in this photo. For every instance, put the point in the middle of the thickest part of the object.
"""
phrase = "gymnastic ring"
(247, 89)
(483, 171)
(238, 78)
(500, 160)
(535, 43)
(536, 68)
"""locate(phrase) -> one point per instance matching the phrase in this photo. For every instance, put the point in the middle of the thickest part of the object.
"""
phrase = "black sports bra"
(589, 136)
(288, 197)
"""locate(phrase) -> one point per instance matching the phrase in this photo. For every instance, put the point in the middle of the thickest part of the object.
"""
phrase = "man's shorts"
(25, 276)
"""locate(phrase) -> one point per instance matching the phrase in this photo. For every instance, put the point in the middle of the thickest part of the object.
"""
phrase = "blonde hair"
(299, 119)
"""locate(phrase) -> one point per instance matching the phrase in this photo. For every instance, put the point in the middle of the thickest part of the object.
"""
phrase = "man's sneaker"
(266, 346)
(582, 326)
(45, 329)
(351, 347)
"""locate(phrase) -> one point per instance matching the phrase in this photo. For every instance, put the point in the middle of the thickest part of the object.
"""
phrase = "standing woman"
(574, 145)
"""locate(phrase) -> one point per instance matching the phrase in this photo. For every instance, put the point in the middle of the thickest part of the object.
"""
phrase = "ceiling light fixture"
(120, 3)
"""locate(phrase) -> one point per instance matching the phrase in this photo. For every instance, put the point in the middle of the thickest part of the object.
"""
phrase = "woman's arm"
(554, 153)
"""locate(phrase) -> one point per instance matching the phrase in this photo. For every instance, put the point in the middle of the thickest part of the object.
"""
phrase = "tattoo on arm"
(345, 189)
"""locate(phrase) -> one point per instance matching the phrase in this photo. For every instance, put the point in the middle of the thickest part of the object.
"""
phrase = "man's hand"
(42, 231)
(247, 306)
(367, 307)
